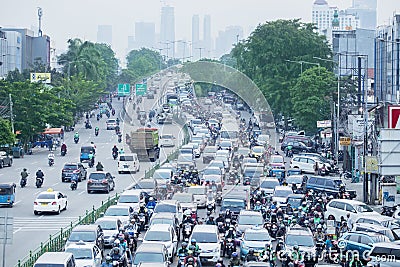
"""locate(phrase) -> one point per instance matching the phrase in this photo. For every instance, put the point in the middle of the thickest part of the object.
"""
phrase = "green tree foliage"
(6, 135)
(312, 97)
(263, 55)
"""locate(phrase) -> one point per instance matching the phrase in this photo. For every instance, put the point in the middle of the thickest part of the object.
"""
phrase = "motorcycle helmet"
(234, 255)
(24, 169)
(251, 251)
(151, 199)
(319, 227)
(220, 260)
(184, 244)
(218, 265)
(116, 243)
(190, 252)
(193, 241)
(108, 259)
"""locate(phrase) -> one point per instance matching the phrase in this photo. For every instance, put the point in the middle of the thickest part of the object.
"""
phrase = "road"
(37, 229)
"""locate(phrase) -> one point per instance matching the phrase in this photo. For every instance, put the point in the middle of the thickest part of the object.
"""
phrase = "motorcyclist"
(235, 261)
(24, 174)
(250, 256)
(210, 220)
(143, 210)
(114, 150)
(40, 175)
(64, 147)
(188, 219)
(319, 234)
(183, 250)
(108, 262)
(190, 258)
(76, 135)
(193, 244)
(99, 166)
(121, 151)
(91, 158)
(258, 206)
(115, 252)
(273, 205)
(123, 245)
(50, 157)
(96, 130)
(151, 204)
(220, 218)
(230, 233)
(355, 262)
(75, 178)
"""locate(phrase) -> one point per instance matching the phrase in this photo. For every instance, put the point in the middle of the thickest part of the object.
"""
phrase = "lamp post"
(200, 48)
(301, 62)
(338, 108)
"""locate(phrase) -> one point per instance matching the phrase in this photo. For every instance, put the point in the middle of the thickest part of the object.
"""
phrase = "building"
(387, 62)
(195, 36)
(226, 39)
(167, 29)
(3, 54)
(104, 34)
(365, 11)
(207, 40)
(145, 35)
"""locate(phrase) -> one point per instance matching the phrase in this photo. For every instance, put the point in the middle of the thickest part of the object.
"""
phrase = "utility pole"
(11, 114)
(200, 48)
(40, 14)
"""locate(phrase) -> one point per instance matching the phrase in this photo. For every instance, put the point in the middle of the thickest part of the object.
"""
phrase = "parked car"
(5, 159)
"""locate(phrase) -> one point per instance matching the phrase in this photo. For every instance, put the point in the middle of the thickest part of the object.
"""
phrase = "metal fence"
(56, 242)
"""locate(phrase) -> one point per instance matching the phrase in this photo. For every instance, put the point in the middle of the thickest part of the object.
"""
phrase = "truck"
(144, 142)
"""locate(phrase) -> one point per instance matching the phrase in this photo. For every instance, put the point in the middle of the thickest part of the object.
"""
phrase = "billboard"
(40, 77)
(393, 117)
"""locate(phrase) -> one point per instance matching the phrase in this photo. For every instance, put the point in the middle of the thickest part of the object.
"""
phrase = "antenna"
(40, 14)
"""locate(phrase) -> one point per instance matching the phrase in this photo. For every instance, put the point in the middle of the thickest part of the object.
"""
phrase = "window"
(313, 181)
(365, 240)
(311, 161)
(354, 238)
(350, 208)
(333, 204)
(303, 160)
(329, 183)
(340, 205)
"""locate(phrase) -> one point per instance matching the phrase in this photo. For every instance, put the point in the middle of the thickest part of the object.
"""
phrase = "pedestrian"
(316, 168)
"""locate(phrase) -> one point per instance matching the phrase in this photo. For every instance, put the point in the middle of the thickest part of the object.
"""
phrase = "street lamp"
(200, 48)
(301, 62)
(338, 108)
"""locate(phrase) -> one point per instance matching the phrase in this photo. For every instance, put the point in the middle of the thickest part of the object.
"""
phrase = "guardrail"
(56, 242)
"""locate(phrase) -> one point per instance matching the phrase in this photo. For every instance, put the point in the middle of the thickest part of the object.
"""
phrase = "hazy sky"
(65, 19)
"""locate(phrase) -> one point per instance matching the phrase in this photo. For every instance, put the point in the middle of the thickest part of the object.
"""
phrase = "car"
(384, 255)
(297, 147)
(70, 168)
(199, 194)
(162, 234)
(341, 207)
(147, 186)
(207, 102)
(111, 124)
(186, 161)
(131, 198)
(170, 206)
(196, 149)
(150, 95)
(62, 259)
(100, 181)
(50, 201)
(360, 241)
(305, 163)
(5, 159)
(295, 200)
(186, 200)
(151, 253)
(166, 218)
(263, 140)
(281, 194)
(225, 145)
(256, 264)
(277, 161)
(243, 152)
(110, 228)
(301, 237)
(85, 254)
(90, 234)
(328, 185)
(256, 238)
(297, 181)
(208, 240)
(167, 140)
(381, 220)
(209, 154)
(123, 213)
(211, 174)
(268, 185)
(224, 159)
(219, 164)
(128, 162)
(248, 219)
(371, 228)
(257, 152)
(163, 174)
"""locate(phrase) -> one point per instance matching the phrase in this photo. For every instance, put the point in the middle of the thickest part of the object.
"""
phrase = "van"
(207, 238)
(128, 163)
(55, 259)
(328, 185)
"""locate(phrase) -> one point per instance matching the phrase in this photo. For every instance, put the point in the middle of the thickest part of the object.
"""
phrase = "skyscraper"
(195, 30)
(366, 4)
(104, 34)
(167, 29)
(366, 11)
(226, 39)
(145, 34)
(207, 41)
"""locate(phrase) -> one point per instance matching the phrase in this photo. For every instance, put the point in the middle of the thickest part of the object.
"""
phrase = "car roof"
(131, 192)
(171, 202)
(85, 227)
(282, 187)
(107, 218)
(299, 230)
(159, 228)
(376, 218)
(81, 245)
(348, 201)
(387, 245)
(364, 233)
(163, 215)
(54, 257)
(49, 192)
(249, 212)
(205, 228)
(296, 196)
(118, 207)
(151, 247)
(255, 230)
(370, 226)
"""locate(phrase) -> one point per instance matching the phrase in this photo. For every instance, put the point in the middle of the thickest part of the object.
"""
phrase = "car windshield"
(229, 134)
(125, 158)
(212, 171)
(257, 236)
(46, 196)
(294, 180)
(210, 149)
(97, 176)
(364, 208)
(162, 221)
(147, 257)
(258, 149)
(243, 151)
(146, 185)
(269, 184)
(80, 253)
(162, 175)
(226, 144)
(250, 220)
(294, 202)
(183, 198)
(380, 238)
(166, 136)
(82, 236)
(218, 164)
(203, 237)
(233, 203)
(70, 167)
(282, 193)
(196, 190)
(128, 199)
(157, 236)
(277, 160)
(117, 212)
(300, 240)
(107, 225)
(165, 208)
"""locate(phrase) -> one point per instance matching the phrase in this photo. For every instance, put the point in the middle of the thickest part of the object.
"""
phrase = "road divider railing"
(56, 242)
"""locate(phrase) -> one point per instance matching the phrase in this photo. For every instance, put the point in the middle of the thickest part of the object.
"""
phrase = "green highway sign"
(141, 88)
(124, 89)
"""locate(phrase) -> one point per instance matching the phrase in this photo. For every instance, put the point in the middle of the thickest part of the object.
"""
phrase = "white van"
(56, 259)
(128, 163)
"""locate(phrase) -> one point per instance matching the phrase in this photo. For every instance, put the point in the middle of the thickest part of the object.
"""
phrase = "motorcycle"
(320, 244)
(96, 132)
(388, 211)
(119, 138)
(74, 185)
(91, 163)
(23, 182)
(186, 230)
(88, 126)
(273, 230)
(115, 155)
(142, 221)
(230, 247)
(51, 162)
(39, 182)
(76, 140)
(63, 152)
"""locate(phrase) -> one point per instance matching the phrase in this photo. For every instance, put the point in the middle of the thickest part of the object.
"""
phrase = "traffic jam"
(234, 196)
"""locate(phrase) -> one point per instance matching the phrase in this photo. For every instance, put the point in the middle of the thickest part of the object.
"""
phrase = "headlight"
(216, 249)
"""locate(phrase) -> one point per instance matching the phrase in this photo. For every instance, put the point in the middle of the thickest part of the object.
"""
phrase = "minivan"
(341, 207)
(207, 238)
(128, 163)
(91, 233)
(55, 259)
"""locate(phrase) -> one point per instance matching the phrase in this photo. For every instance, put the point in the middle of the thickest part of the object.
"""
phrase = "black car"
(297, 147)
(69, 168)
(100, 181)
(5, 159)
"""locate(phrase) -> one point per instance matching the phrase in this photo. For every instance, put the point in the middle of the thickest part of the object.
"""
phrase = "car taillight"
(53, 203)
(104, 181)
(89, 181)
(35, 203)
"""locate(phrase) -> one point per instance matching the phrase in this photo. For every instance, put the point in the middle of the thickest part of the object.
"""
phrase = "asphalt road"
(30, 230)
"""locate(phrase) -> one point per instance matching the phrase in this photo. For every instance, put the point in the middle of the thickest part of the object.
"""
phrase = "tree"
(6, 135)
(263, 55)
(312, 97)
(144, 62)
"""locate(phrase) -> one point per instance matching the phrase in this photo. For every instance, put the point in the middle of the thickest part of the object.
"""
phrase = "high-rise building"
(104, 34)
(226, 39)
(207, 41)
(366, 4)
(365, 10)
(3, 54)
(195, 35)
(167, 29)
(145, 34)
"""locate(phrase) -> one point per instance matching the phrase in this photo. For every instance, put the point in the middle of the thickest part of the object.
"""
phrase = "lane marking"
(81, 193)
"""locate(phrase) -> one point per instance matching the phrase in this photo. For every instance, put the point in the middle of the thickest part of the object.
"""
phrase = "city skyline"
(84, 23)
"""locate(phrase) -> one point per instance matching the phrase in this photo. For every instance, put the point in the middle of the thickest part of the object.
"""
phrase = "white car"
(110, 227)
(128, 162)
(50, 201)
(208, 240)
(281, 194)
(85, 254)
(196, 149)
(162, 234)
(121, 212)
(111, 124)
(167, 140)
(199, 194)
(341, 207)
(131, 198)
